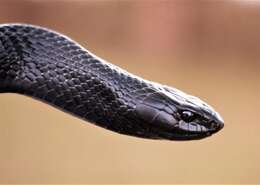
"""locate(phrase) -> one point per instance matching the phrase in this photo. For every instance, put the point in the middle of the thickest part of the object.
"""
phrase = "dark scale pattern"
(47, 66)
(50, 67)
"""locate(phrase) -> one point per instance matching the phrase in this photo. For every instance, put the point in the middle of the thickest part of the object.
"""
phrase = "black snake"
(50, 67)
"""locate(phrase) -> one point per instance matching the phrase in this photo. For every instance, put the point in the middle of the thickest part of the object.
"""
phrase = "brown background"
(206, 48)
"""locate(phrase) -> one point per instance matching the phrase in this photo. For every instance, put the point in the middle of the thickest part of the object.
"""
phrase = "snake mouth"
(191, 131)
(202, 127)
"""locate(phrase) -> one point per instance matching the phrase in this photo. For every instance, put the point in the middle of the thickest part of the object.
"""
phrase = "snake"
(50, 67)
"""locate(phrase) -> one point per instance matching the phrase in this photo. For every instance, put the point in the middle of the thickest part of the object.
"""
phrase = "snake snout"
(217, 123)
(211, 126)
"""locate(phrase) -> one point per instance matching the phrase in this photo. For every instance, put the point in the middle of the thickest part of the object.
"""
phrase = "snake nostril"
(220, 126)
(215, 126)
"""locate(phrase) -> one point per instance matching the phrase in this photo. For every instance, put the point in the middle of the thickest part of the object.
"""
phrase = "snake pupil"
(187, 116)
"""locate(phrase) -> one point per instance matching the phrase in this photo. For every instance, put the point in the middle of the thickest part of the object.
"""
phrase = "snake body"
(50, 67)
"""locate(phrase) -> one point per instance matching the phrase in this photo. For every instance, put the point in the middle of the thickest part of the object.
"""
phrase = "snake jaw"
(171, 127)
(189, 131)
(194, 127)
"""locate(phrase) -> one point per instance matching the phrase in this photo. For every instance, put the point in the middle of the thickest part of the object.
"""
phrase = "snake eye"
(187, 116)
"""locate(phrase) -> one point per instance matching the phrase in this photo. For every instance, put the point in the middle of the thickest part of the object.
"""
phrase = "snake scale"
(54, 69)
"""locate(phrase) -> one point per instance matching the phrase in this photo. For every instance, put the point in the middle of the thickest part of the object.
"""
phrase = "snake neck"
(50, 67)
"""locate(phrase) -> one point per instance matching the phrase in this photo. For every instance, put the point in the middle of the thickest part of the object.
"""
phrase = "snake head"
(174, 115)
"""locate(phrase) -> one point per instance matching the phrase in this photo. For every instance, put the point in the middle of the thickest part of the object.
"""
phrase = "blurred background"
(209, 48)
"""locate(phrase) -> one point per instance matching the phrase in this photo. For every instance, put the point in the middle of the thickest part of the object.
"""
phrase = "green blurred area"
(206, 48)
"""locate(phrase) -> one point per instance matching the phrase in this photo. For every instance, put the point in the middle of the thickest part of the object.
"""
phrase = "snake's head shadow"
(174, 115)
